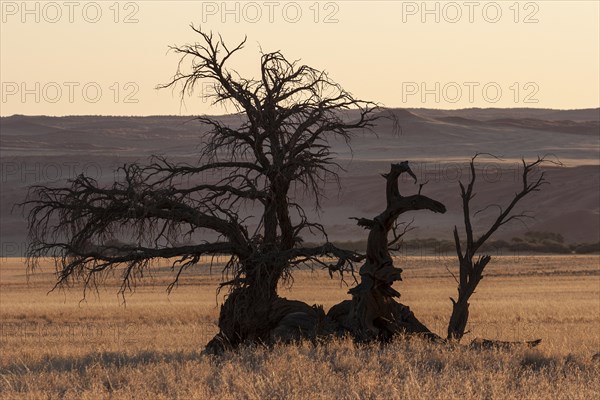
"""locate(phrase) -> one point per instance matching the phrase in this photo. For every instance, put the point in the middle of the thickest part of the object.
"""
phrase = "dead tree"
(471, 265)
(287, 118)
(373, 313)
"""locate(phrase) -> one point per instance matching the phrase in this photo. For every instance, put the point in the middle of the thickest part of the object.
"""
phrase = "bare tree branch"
(470, 270)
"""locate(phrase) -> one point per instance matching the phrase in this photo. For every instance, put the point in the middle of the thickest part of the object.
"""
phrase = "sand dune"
(439, 143)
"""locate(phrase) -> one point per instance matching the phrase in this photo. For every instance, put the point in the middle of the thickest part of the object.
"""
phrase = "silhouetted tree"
(471, 269)
(288, 116)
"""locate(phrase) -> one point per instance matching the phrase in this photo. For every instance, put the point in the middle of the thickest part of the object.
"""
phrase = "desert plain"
(59, 345)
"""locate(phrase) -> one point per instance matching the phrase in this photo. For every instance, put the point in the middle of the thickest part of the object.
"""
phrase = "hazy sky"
(106, 57)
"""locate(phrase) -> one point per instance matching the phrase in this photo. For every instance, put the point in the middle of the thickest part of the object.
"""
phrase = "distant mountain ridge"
(438, 143)
(548, 114)
(564, 126)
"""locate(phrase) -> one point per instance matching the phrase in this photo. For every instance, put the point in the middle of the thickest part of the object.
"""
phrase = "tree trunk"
(373, 312)
(244, 316)
(458, 319)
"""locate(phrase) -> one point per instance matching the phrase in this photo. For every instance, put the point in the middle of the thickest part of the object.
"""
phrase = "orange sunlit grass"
(54, 346)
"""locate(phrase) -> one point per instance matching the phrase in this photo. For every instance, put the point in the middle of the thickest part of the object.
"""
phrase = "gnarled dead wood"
(471, 267)
(373, 312)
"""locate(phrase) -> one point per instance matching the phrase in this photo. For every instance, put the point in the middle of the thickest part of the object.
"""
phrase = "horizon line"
(230, 114)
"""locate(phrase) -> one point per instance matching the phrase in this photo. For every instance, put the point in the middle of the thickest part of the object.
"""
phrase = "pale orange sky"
(56, 57)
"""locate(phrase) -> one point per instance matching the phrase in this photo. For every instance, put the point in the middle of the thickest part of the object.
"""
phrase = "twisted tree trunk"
(373, 313)
(245, 313)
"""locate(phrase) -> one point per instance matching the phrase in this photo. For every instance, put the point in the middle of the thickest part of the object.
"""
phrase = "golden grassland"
(57, 346)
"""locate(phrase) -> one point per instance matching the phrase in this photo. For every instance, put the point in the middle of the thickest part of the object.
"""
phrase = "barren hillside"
(438, 143)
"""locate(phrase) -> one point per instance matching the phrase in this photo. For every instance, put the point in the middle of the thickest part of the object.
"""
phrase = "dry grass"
(52, 346)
